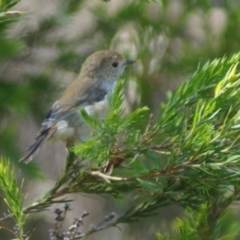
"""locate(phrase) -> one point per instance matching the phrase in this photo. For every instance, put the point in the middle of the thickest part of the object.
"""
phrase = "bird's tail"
(30, 151)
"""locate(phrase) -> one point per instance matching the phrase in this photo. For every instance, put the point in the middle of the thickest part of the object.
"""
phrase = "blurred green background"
(42, 49)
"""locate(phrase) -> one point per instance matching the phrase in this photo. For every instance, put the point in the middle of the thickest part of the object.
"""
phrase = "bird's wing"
(63, 111)
(89, 97)
(58, 113)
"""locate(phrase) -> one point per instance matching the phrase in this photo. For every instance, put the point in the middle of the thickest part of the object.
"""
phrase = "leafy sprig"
(12, 195)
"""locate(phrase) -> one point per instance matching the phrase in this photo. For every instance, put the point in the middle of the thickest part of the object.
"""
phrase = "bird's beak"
(128, 61)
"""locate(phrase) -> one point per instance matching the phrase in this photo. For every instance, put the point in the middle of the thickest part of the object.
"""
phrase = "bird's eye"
(115, 64)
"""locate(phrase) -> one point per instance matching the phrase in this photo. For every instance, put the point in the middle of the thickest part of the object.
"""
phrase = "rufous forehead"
(108, 54)
(110, 57)
(102, 57)
(117, 56)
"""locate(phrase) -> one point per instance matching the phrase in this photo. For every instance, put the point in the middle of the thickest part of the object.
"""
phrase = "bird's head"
(105, 66)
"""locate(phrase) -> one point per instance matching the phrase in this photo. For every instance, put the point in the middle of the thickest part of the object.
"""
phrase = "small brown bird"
(96, 81)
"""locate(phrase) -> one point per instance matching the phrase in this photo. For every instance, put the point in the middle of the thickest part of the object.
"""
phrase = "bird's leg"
(115, 162)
